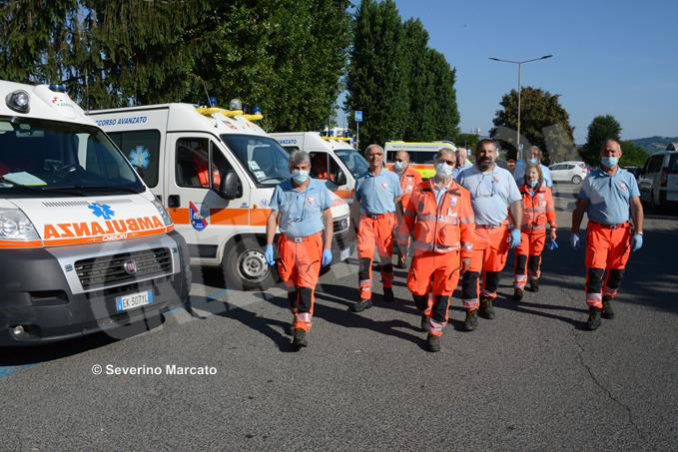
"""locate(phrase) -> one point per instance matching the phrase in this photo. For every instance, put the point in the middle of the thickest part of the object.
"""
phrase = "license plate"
(127, 302)
(345, 254)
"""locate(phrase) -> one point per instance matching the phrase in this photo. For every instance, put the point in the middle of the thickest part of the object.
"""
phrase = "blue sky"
(617, 57)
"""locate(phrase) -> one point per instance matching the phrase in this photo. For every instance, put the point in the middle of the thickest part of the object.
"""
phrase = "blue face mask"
(443, 170)
(532, 161)
(299, 176)
(609, 162)
(533, 183)
(399, 166)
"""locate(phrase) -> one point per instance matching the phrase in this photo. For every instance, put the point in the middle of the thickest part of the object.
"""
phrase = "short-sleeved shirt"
(519, 173)
(609, 197)
(492, 192)
(301, 211)
(377, 194)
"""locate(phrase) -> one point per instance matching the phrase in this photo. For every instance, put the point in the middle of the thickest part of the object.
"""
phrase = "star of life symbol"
(140, 156)
(102, 210)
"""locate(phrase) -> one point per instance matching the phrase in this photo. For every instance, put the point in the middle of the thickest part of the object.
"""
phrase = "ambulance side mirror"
(230, 187)
(341, 178)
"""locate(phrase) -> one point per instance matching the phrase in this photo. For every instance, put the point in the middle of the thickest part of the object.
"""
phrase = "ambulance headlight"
(14, 225)
(163, 213)
(18, 101)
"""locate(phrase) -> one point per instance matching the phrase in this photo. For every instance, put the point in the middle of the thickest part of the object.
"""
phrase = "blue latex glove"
(636, 242)
(327, 258)
(514, 240)
(268, 253)
(553, 245)
(574, 240)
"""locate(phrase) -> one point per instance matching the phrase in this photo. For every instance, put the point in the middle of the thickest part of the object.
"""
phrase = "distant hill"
(654, 144)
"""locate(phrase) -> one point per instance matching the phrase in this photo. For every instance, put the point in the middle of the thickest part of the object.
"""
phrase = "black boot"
(388, 294)
(471, 321)
(534, 285)
(425, 323)
(433, 343)
(607, 313)
(517, 294)
(299, 338)
(594, 319)
(486, 309)
(361, 305)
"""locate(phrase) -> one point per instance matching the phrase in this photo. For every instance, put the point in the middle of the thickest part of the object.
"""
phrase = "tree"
(632, 154)
(602, 128)
(445, 98)
(540, 110)
(377, 80)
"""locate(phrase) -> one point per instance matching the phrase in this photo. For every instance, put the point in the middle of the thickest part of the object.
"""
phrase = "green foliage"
(544, 122)
(602, 128)
(632, 154)
(467, 140)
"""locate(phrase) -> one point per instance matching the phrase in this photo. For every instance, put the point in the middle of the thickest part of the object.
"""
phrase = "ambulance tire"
(245, 267)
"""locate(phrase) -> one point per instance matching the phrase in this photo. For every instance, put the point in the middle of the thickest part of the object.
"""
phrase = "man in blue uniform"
(607, 195)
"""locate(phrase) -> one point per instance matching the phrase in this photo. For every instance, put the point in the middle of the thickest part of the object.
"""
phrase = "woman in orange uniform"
(538, 209)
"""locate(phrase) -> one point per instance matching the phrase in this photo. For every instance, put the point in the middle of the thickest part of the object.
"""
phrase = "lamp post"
(520, 64)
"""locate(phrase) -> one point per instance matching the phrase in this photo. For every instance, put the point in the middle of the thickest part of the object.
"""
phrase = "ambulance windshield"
(355, 162)
(263, 157)
(48, 158)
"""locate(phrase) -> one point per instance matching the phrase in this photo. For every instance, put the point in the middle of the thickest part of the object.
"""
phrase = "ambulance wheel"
(245, 267)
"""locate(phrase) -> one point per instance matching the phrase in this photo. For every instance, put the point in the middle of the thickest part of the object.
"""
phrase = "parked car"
(574, 172)
(658, 180)
(633, 170)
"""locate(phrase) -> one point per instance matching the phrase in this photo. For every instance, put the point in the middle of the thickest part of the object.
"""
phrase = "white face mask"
(299, 176)
(399, 166)
(443, 170)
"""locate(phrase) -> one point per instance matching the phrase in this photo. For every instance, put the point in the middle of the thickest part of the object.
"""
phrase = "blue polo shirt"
(377, 194)
(609, 197)
(491, 193)
(301, 211)
(519, 173)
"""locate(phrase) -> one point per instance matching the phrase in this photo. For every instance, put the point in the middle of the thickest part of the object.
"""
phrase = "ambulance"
(215, 170)
(422, 155)
(333, 159)
(84, 245)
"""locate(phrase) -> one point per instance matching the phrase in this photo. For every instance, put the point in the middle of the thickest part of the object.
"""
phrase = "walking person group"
(461, 225)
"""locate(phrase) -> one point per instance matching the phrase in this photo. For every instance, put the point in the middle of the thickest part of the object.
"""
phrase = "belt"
(611, 226)
(299, 239)
(490, 226)
(374, 216)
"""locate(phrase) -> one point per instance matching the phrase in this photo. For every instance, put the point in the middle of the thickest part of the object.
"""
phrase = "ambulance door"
(204, 218)
(325, 167)
(142, 149)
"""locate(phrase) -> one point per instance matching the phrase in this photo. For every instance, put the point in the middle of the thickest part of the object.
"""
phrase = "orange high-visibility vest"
(538, 209)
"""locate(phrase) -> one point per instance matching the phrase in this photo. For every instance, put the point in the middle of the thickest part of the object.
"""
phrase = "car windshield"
(264, 158)
(46, 158)
(355, 162)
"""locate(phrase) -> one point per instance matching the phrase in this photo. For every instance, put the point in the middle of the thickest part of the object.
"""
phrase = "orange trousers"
(299, 269)
(439, 271)
(607, 252)
(376, 230)
(490, 250)
(528, 257)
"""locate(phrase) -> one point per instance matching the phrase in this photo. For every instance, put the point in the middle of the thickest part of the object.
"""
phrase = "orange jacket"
(537, 208)
(443, 227)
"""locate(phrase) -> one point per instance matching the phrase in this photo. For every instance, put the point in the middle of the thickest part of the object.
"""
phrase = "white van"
(84, 245)
(658, 179)
(422, 155)
(333, 159)
(215, 170)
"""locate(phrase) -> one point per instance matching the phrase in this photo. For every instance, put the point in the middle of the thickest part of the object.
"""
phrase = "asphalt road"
(533, 378)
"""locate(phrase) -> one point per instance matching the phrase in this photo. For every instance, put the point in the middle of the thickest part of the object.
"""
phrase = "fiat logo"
(130, 266)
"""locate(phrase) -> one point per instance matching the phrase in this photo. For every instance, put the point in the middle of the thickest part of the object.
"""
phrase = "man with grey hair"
(534, 156)
(301, 208)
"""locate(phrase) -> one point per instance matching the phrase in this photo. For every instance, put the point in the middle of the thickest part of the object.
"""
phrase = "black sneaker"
(471, 321)
(607, 313)
(388, 294)
(594, 319)
(486, 309)
(518, 294)
(534, 286)
(425, 323)
(361, 305)
(299, 338)
(433, 343)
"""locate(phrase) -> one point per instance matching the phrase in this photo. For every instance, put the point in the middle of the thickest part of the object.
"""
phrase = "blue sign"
(102, 210)
(140, 157)
(358, 116)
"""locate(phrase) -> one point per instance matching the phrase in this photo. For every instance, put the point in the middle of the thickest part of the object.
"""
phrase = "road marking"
(6, 371)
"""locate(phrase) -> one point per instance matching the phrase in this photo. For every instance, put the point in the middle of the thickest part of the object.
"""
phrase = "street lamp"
(520, 64)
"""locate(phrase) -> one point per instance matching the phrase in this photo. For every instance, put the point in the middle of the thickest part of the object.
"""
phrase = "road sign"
(358, 116)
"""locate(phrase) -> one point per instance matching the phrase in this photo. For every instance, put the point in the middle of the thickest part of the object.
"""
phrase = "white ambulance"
(333, 159)
(84, 245)
(215, 170)
(422, 155)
